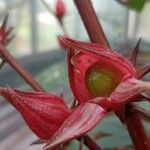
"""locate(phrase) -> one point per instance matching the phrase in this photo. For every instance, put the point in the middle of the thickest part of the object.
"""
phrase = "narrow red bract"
(83, 119)
(5, 34)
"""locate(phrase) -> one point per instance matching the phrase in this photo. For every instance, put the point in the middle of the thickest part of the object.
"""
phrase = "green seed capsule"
(101, 83)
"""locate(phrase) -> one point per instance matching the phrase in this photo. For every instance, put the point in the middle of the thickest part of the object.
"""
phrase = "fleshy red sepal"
(84, 118)
(43, 113)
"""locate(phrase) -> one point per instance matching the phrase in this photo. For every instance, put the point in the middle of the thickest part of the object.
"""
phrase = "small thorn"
(38, 141)
(73, 104)
(9, 31)
(10, 39)
(5, 22)
(144, 97)
(142, 71)
(133, 56)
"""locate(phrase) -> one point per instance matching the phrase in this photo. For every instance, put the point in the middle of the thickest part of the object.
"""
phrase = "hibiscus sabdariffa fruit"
(95, 71)
(101, 81)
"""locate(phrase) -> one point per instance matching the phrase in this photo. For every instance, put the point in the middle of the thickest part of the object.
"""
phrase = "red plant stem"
(96, 34)
(90, 143)
(91, 23)
(136, 130)
(19, 69)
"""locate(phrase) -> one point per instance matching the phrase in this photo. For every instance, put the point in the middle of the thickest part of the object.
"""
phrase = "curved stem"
(90, 143)
(136, 130)
(19, 69)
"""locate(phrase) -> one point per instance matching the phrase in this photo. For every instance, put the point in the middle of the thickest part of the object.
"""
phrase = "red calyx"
(43, 113)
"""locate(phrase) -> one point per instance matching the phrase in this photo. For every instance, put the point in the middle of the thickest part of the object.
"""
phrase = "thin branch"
(61, 24)
(136, 129)
(19, 69)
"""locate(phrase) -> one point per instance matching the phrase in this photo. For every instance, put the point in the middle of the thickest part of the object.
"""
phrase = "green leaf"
(136, 4)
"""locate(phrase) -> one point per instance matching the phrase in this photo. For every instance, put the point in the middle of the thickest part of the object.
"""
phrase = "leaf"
(136, 4)
(83, 119)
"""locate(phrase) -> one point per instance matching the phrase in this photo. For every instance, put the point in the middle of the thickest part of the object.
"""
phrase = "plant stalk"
(91, 22)
(90, 143)
(19, 69)
(136, 130)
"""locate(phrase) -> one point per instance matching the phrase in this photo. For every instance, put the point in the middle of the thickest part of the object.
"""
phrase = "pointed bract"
(39, 141)
(43, 113)
(134, 53)
(142, 71)
(83, 119)
(68, 42)
(4, 25)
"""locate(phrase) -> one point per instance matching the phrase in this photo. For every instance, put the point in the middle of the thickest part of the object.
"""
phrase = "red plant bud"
(93, 70)
(100, 79)
(43, 113)
(60, 9)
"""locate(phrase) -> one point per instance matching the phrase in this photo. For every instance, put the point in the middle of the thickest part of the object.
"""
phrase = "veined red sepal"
(128, 91)
(43, 113)
(84, 118)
